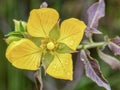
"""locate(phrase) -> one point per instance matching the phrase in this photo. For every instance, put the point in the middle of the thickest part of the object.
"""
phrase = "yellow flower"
(54, 48)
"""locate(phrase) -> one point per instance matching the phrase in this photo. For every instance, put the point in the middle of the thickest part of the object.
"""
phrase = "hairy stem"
(91, 45)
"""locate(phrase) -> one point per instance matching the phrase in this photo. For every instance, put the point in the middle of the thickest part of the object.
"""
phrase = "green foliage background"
(15, 79)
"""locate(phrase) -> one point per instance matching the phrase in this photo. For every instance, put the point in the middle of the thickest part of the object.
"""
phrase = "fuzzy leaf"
(116, 40)
(95, 12)
(113, 62)
(114, 45)
(92, 30)
(93, 70)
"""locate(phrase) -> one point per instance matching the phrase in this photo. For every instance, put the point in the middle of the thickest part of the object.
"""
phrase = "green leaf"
(55, 32)
(20, 26)
(47, 59)
(63, 48)
(13, 34)
(22, 29)
(110, 60)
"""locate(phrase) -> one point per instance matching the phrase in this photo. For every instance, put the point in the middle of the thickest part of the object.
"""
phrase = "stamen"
(50, 45)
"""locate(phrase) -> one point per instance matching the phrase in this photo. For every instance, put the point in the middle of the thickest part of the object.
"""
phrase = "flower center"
(50, 45)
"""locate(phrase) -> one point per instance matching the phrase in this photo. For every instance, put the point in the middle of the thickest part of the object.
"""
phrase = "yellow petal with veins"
(71, 32)
(24, 54)
(41, 21)
(61, 67)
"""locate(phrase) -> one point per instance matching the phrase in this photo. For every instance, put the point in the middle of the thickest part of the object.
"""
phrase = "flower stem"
(91, 45)
(39, 82)
(40, 79)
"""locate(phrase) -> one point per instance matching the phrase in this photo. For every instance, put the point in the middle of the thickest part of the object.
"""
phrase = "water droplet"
(68, 73)
(82, 59)
(71, 42)
(54, 67)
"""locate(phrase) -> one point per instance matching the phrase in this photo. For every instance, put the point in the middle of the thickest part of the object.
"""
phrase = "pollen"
(50, 46)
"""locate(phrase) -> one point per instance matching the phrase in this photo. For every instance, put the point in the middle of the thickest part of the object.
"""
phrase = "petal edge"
(41, 21)
(72, 31)
(24, 54)
(61, 67)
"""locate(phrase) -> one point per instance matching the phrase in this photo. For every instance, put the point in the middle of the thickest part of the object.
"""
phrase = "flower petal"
(24, 54)
(61, 67)
(41, 21)
(71, 32)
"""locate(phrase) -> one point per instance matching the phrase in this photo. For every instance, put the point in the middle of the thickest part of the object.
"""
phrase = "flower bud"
(20, 25)
(11, 39)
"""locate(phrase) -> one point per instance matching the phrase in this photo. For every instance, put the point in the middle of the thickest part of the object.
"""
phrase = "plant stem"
(90, 38)
(91, 45)
(39, 85)
(40, 79)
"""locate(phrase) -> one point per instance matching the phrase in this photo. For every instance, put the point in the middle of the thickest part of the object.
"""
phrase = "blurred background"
(16, 79)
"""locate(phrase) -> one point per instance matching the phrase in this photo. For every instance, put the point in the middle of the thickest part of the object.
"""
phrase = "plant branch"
(91, 45)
